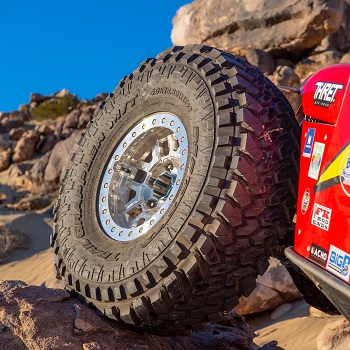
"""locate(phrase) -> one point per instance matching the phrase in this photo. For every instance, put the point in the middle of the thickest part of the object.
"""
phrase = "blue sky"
(84, 46)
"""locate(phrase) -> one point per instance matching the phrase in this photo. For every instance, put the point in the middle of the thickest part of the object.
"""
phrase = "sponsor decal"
(344, 176)
(325, 93)
(305, 201)
(318, 254)
(309, 142)
(338, 262)
(331, 174)
(316, 160)
(321, 216)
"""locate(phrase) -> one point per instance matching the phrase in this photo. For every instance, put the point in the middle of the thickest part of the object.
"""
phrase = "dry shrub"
(11, 240)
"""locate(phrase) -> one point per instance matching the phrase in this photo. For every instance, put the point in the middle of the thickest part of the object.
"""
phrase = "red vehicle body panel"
(323, 212)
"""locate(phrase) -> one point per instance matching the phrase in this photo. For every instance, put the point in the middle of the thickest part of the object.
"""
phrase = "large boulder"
(281, 27)
(274, 288)
(59, 158)
(41, 318)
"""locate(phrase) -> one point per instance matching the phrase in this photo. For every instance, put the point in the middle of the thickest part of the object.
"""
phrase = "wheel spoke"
(173, 146)
(143, 215)
(137, 199)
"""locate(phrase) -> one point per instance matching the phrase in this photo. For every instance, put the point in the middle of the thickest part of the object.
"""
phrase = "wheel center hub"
(163, 185)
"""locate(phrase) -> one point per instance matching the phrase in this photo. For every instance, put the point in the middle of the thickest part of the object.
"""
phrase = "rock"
(100, 97)
(35, 97)
(285, 76)
(85, 116)
(59, 123)
(32, 105)
(7, 194)
(18, 115)
(26, 311)
(261, 60)
(72, 119)
(25, 146)
(283, 28)
(62, 93)
(280, 311)
(47, 144)
(284, 62)
(5, 145)
(31, 202)
(10, 124)
(5, 154)
(334, 41)
(3, 116)
(345, 58)
(335, 336)
(37, 172)
(326, 59)
(20, 169)
(46, 127)
(59, 158)
(16, 133)
(274, 288)
(314, 63)
(5, 159)
(65, 133)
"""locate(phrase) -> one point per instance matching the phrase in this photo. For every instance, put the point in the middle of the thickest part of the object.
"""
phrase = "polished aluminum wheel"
(142, 177)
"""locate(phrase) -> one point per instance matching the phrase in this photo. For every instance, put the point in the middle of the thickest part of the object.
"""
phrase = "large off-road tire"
(181, 188)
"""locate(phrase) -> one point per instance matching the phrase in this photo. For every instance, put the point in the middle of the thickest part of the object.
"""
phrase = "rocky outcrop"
(274, 288)
(35, 144)
(41, 318)
(280, 27)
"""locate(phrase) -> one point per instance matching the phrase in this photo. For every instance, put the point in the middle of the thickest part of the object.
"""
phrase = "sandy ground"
(35, 264)
(294, 330)
(291, 325)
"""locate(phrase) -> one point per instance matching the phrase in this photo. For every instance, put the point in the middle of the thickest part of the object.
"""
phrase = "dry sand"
(294, 329)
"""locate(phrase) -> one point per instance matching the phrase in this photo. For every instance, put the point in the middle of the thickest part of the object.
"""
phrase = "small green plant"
(55, 107)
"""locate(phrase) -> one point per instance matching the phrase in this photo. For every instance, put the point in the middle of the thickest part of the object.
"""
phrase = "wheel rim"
(142, 177)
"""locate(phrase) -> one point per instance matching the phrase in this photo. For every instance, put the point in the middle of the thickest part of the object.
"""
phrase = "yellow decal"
(334, 172)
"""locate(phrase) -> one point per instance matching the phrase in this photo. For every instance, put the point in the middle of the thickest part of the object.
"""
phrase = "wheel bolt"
(151, 203)
(168, 166)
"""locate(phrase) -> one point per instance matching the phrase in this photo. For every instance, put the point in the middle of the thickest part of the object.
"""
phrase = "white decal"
(325, 93)
(305, 201)
(338, 262)
(321, 216)
(316, 160)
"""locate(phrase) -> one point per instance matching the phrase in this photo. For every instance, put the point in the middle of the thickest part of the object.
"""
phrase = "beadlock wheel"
(181, 188)
(142, 177)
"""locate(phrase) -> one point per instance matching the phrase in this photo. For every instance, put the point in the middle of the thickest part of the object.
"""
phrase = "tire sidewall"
(173, 95)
